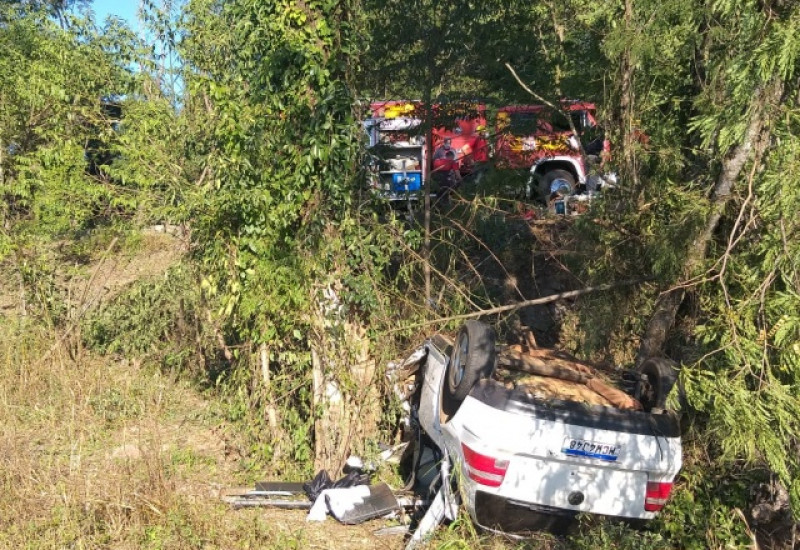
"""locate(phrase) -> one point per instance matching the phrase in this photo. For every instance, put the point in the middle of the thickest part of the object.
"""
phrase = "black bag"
(323, 481)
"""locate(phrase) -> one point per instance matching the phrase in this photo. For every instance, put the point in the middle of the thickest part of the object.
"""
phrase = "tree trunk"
(272, 413)
(428, 129)
(627, 104)
(667, 304)
(327, 411)
(560, 31)
(345, 396)
(426, 244)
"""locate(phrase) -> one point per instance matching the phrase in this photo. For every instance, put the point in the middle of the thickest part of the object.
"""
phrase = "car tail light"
(484, 469)
(657, 495)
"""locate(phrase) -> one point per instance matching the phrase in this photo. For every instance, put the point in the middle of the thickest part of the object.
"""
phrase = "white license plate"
(591, 449)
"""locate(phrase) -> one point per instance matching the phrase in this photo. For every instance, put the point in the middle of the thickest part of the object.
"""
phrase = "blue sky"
(126, 9)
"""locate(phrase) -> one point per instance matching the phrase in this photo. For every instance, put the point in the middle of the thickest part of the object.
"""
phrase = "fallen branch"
(567, 370)
(584, 365)
(617, 397)
(526, 303)
(556, 357)
(518, 361)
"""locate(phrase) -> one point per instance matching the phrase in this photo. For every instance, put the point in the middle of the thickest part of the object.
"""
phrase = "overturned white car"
(534, 451)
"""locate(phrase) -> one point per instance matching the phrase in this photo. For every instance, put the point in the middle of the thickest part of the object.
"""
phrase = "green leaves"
(697, 68)
(751, 322)
(54, 85)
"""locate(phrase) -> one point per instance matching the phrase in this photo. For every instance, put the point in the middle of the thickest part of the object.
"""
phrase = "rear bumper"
(500, 514)
(495, 513)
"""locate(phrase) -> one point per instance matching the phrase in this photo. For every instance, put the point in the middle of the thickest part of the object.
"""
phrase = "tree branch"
(526, 303)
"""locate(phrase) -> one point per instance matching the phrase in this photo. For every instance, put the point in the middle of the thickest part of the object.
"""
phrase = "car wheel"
(548, 178)
(659, 376)
(473, 358)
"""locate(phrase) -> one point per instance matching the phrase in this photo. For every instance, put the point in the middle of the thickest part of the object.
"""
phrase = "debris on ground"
(322, 481)
(353, 505)
(351, 500)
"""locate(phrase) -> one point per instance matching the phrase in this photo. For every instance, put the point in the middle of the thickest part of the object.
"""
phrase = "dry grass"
(99, 454)
(103, 453)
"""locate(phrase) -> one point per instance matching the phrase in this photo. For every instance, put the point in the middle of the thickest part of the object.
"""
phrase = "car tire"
(473, 358)
(551, 176)
(659, 376)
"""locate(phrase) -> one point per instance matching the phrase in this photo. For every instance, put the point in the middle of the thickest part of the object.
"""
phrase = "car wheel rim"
(460, 359)
(560, 185)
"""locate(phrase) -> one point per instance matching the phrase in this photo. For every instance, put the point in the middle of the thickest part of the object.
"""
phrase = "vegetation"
(238, 126)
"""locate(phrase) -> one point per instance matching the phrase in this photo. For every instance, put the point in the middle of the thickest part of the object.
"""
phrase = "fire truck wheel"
(473, 358)
(660, 375)
(549, 177)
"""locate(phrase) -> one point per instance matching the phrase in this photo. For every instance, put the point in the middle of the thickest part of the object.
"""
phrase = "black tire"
(660, 375)
(551, 176)
(473, 358)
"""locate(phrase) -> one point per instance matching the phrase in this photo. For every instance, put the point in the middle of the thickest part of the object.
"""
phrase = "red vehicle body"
(464, 123)
(527, 133)
(534, 137)
(399, 163)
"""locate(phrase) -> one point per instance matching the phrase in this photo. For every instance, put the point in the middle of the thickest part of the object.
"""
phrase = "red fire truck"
(399, 163)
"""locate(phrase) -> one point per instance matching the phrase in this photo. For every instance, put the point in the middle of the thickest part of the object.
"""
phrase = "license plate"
(591, 449)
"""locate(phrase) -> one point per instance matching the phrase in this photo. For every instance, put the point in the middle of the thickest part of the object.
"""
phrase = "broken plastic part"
(429, 522)
(378, 502)
(353, 463)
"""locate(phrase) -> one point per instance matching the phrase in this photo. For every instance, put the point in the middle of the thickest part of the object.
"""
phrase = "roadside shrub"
(158, 321)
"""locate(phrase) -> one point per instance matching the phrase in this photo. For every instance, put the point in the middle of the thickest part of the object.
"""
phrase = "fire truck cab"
(536, 138)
